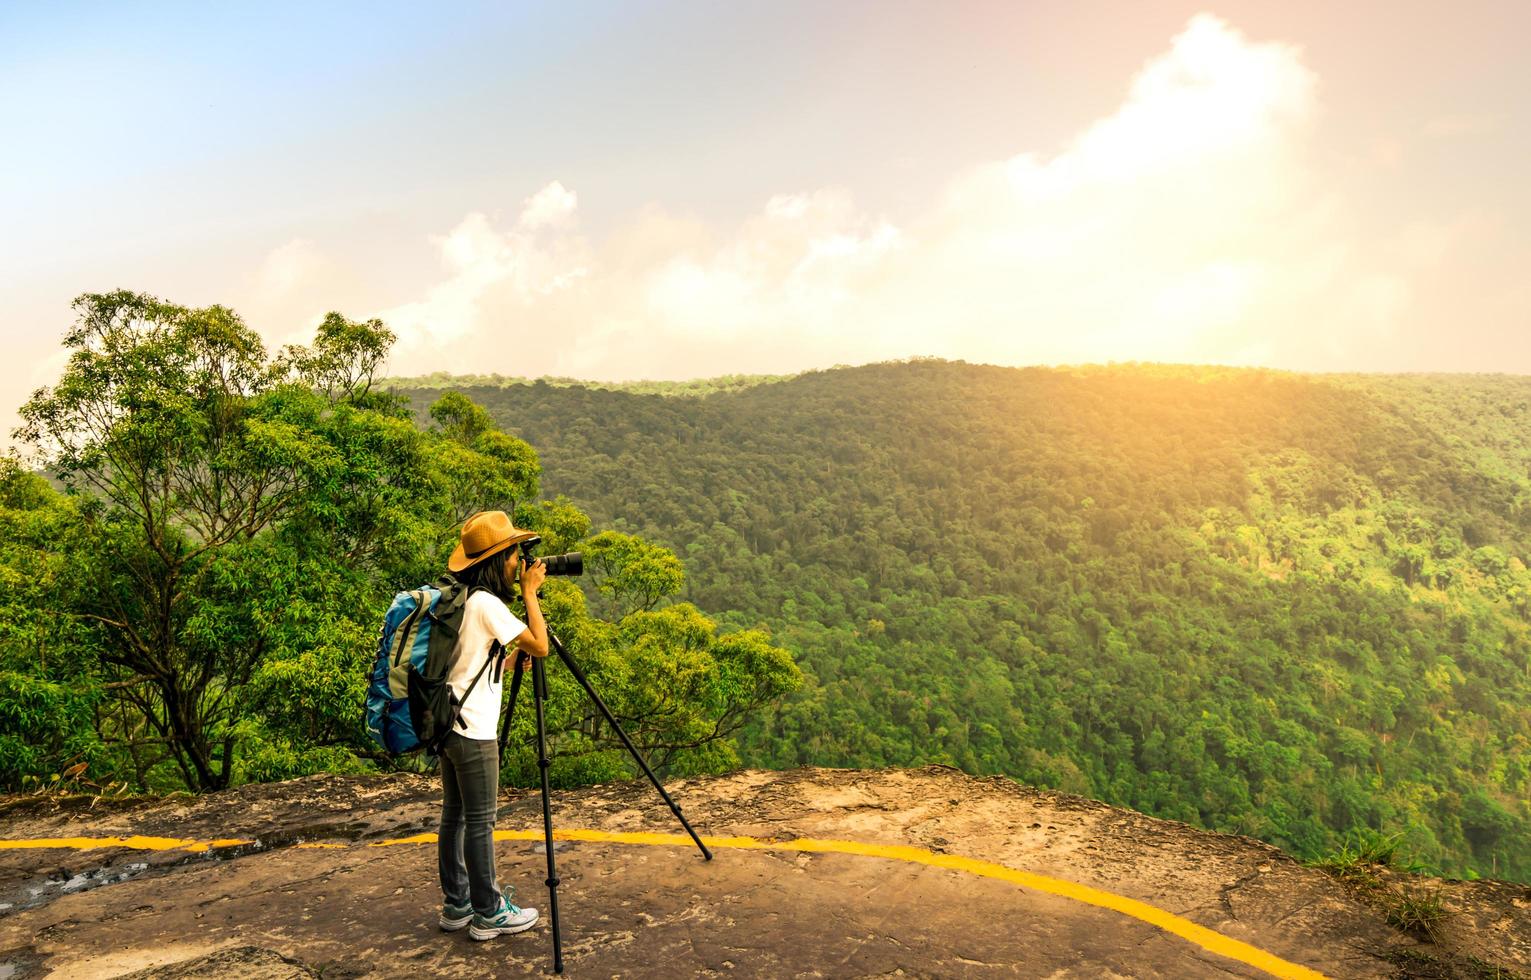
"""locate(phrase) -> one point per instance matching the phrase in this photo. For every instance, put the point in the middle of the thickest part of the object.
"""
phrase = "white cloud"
(288, 267)
(553, 205)
(284, 300)
(1189, 225)
(1211, 97)
(540, 255)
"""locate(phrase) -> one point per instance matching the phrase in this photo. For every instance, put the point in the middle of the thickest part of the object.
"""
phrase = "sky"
(663, 190)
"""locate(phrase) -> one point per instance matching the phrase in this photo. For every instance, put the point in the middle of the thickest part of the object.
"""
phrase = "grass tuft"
(1358, 855)
(1417, 911)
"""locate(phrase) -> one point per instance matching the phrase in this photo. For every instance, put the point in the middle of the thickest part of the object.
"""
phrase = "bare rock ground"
(267, 907)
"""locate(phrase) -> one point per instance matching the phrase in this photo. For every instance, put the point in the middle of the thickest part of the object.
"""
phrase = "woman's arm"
(533, 639)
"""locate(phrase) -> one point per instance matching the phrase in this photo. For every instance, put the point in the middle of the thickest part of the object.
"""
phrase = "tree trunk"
(189, 743)
(227, 773)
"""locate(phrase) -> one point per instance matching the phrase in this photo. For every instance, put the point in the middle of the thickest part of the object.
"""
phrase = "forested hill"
(1291, 606)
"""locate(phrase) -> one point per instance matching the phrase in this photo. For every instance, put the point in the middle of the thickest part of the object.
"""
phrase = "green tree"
(193, 451)
(632, 573)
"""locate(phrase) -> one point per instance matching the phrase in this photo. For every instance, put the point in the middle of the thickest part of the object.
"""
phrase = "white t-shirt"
(485, 619)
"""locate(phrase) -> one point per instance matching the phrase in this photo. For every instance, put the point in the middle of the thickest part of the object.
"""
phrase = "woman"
(486, 556)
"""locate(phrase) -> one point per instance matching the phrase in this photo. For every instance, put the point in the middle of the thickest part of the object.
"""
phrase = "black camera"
(570, 563)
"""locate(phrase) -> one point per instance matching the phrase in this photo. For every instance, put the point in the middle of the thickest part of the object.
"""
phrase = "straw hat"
(484, 534)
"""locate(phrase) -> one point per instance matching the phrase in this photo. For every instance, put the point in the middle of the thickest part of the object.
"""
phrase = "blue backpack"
(409, 703)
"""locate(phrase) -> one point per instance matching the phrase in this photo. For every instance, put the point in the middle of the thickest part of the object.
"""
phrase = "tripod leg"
(584, 682)
(510, 706)
(540, 694)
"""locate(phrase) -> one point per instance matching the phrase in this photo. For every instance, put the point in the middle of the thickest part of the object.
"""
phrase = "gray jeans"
(470, 787)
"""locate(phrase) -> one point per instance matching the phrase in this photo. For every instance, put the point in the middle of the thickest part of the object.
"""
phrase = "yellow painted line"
(417, 839)
(208, 845)
(1208, 939)
(134, 843)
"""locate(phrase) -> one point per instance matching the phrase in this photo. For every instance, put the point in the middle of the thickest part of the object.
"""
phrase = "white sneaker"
(509, 919)
(454, 917)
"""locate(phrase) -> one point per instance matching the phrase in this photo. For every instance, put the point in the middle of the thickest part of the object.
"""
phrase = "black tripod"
(540, 694)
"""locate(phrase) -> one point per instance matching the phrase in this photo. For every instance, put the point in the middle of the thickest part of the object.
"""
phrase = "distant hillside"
(1291, 606)
(441, 381)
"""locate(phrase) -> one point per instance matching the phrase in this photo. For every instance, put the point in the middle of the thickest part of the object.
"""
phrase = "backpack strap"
(496, 652)
(446, 624)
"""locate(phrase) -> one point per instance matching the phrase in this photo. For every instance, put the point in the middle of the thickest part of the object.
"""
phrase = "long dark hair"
(491, 573)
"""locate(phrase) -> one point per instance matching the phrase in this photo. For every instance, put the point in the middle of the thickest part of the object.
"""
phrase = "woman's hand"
(532, 576)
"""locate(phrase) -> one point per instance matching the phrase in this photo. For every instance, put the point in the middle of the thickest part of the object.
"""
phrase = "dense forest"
(1284, 605)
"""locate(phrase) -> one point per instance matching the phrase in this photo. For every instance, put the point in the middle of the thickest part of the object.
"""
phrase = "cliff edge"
(816, 872)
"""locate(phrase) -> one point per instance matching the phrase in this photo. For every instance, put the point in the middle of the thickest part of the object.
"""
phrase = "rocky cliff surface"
(816, 872)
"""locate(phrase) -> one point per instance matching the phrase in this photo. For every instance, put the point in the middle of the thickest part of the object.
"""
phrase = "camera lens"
(572, 563)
